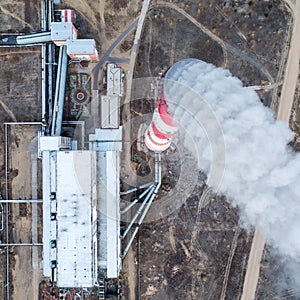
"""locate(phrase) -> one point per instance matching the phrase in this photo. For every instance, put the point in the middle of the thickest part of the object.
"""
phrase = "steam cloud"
(257, 171)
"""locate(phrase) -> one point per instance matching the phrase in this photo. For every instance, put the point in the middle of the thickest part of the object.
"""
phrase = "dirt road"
(252, 273)
(284, 112)
(292, 70)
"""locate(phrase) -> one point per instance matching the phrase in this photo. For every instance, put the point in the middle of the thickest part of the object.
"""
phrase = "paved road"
(284, 112)
(106, 57)
(127, 139)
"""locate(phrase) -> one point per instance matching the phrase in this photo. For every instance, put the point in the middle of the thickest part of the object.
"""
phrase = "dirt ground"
(236, 37)
(19, 16)
(103, 20)
(199, 251)
(26, 271)
(20, 100)
(295, 118)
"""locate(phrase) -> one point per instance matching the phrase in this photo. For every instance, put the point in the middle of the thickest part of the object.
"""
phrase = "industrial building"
(110, 103)
(83, 49)
(64, 33)
(81, 190)
(81, 214)
(82, 241)
(81, 231)
(69, 217)
(81, 201)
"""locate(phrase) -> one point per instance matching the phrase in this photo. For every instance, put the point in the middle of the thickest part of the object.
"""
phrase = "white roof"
(106, 139)
(110, 111)
(74, 215)
(81, 46)
(52, 143)
(62, 31)
(46, 212)
(114, 80)
(86, 187)
(109, 224)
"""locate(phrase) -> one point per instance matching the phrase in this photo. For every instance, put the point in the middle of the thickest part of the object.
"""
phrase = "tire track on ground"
(8, 111)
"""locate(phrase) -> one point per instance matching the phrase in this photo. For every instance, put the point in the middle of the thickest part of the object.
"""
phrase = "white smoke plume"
(254, 167)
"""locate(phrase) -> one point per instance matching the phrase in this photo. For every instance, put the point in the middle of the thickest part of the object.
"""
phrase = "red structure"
(158, 136)
(68, 15)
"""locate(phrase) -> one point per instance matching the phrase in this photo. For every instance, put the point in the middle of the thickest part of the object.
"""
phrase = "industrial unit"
(81, 222)
(63, 33)
(110, 103)
(81, 204)
(81, 214)
(158, 136)
(82, 242)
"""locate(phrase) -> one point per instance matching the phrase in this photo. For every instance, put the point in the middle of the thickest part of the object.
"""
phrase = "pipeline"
(136, 188)
(136, 200)
(152, 193)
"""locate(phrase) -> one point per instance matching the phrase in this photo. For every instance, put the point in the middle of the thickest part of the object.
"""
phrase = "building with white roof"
(81, 214)
(110, 103)
(82, 49)
(70, 217)
(81, 202)
(61, 32)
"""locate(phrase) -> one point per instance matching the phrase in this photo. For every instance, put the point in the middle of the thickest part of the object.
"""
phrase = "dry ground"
(249, 38)
(26, 271)
(20, 101)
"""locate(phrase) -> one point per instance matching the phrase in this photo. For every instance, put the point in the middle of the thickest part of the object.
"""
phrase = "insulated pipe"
(138, 212)
(43, 15)
(140, 222)
(2, 220)
(136, 200)
(157, 168)
(136, 188)
(50, 80)
(22, 201)
(21, 244)
(43, 82)
(62, 88)
(153, 194)
(50, 48)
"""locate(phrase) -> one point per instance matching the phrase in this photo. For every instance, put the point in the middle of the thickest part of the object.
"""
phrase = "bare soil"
(20, 88)
(194, 253)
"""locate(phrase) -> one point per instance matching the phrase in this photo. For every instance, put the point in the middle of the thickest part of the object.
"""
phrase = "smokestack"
(159, 135)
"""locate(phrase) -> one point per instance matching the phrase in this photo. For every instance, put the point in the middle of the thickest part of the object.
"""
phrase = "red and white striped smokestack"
(158, 136)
